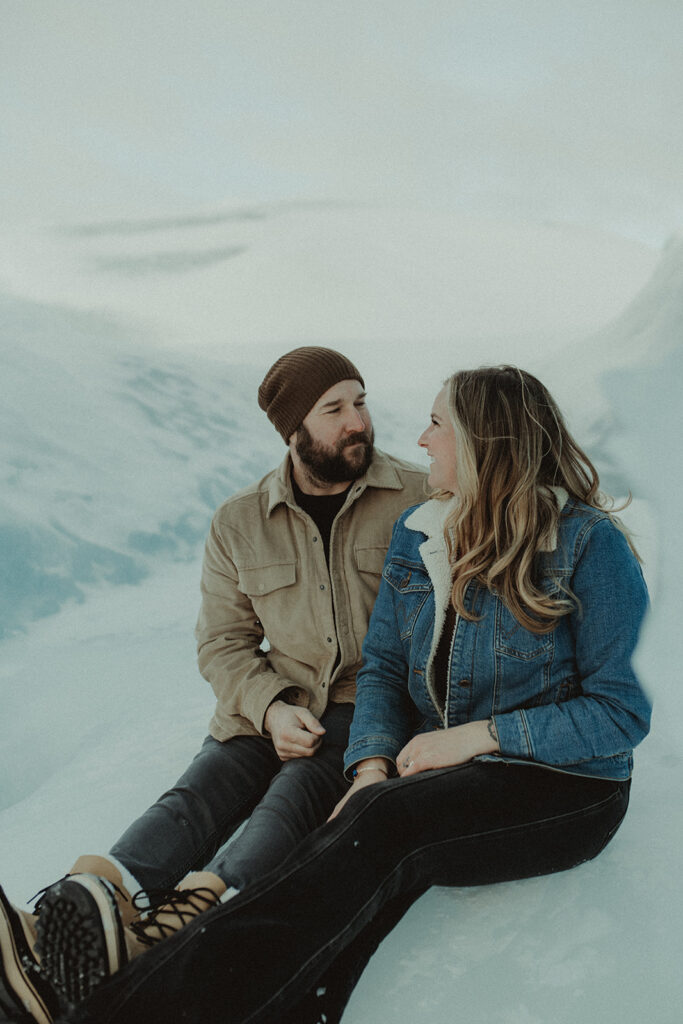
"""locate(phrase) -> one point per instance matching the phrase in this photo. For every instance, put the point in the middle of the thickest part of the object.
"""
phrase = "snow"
(131, 352)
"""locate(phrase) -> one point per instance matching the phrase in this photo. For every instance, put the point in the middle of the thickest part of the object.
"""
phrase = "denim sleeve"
(384, 709)
(612, 714)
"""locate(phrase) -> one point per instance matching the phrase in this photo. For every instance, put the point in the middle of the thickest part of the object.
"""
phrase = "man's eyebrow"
(338, 401)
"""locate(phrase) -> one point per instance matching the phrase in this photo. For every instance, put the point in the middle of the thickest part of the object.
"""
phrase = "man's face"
(335, 441)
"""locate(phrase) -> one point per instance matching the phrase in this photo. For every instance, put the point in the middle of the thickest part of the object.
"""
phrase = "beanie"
(296, 381)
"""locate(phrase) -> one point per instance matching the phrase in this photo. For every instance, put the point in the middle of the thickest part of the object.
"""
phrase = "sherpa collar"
(430, 519)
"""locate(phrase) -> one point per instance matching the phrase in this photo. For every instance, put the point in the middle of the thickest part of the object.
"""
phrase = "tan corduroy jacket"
(265, 578)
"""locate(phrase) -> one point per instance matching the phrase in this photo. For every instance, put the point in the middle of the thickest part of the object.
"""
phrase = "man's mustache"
(360, 437)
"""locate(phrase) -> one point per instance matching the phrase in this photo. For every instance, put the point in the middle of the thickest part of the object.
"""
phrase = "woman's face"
(439, 440)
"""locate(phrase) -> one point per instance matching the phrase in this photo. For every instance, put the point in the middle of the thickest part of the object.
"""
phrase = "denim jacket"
(568, 699)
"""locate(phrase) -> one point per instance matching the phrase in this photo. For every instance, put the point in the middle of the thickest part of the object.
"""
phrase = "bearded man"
(291, 571)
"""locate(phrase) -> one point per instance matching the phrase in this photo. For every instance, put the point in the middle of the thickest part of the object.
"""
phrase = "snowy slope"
(112, 458)
(647, 331)
(122, 429)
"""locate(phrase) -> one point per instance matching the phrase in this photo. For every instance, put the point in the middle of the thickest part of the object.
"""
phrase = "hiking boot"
(91, 864)
(25, 995)
(80, 936)
(174, 909)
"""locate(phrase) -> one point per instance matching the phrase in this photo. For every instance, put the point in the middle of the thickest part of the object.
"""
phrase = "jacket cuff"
(513, 734)
(277, 689)
(370, 746)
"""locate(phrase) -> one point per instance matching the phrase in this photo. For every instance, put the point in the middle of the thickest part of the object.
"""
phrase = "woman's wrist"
(493, 735)
(371, 764)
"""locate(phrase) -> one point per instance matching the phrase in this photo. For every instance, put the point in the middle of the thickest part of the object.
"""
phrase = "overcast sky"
(569, 111)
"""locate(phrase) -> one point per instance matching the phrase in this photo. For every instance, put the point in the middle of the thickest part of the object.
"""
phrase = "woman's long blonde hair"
(512, 446)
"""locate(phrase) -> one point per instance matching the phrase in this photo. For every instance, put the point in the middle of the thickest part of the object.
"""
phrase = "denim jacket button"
(464, 682)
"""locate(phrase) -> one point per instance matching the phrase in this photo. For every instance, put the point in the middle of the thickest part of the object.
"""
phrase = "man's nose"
(354, 422)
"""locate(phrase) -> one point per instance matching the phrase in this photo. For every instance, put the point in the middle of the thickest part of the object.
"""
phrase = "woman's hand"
(370, 771)
(445, 747)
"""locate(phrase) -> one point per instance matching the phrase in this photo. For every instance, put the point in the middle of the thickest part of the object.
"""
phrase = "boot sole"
(20, 993)
(80, 937)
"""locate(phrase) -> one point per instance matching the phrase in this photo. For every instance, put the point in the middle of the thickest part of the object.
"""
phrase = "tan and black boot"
(174, 908)
(92, 864)
(24, 993)
(81, 935)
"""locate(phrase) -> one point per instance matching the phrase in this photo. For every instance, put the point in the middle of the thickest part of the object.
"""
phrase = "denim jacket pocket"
(513, 640)
(412, 587)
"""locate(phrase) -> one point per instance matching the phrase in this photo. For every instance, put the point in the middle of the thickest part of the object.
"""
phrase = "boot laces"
(174, 909)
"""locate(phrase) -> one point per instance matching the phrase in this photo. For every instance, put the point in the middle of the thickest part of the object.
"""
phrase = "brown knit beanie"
(296, 381)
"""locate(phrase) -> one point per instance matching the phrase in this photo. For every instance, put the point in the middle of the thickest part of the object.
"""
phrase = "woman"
(496, 713)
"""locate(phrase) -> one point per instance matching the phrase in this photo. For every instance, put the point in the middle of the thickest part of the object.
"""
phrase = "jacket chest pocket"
(412, 587)
(514, 641)
(263, 580)
(370, 560)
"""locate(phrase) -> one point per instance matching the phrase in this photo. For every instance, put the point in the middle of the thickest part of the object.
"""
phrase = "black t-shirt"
(322, 508)
(442, 656)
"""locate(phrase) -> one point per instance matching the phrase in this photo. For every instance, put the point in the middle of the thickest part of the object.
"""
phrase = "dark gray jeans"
(289, 948)
(226, 783)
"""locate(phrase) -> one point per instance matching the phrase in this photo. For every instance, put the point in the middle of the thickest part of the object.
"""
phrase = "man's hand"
(295, 732)
(445, 747)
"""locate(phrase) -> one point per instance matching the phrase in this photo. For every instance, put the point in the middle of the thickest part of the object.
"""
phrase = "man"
(294, 561)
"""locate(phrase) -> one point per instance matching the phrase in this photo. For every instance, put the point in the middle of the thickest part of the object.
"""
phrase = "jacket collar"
(381, 473)
(430, 519)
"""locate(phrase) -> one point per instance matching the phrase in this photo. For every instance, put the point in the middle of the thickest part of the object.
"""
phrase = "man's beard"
(335, 465)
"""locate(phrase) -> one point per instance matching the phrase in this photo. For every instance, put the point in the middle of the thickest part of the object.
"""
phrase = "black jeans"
(267, 955)
(186, 829)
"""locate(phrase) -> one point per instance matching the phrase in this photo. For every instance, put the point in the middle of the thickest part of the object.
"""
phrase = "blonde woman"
(496, 714)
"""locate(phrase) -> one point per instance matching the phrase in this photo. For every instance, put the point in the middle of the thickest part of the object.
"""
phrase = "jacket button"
(322, 586)
(315, 540)
(464, 682)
